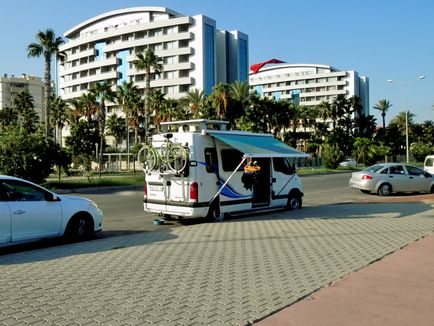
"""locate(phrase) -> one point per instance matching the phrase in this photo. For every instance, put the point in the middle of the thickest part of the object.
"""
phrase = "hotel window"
(170, 30)
(169, 60)
(169, 45)
(158, 47)
(157, 32)
(184, 73)
(184, 58)
(183, 88)
(183, 43)
(169, 75)
(170, 89)
(209, 58)
(182, 28)
(139, 35)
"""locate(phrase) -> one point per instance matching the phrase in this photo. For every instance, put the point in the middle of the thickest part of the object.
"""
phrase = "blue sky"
(380, 39)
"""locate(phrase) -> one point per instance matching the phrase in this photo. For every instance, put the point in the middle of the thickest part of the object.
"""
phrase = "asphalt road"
(123, 210)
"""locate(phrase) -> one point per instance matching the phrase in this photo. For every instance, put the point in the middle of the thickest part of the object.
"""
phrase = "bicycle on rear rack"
(170, 155)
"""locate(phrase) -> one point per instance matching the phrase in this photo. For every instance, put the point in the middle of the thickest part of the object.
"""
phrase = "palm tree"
(47, 46)
(240, 93)
(116, 128)
(156, 102)
(151, 64)
(383, 105)
(8, 117)
(23, 105)
(324, 109)
(428, 131)
(400, 121)
(128, 98)
(58, 115)
(89, 104)
(195, 99)
(220, 99)
(74, 110)
(103, 92)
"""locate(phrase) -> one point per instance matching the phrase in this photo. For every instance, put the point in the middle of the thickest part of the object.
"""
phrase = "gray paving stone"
(233, 273)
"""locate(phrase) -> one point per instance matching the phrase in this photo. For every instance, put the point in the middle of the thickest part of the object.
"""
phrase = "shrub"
(420, 151)
(332, 155)
(26, 155)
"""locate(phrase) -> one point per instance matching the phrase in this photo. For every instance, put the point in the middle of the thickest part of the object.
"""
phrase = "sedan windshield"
(373, 168)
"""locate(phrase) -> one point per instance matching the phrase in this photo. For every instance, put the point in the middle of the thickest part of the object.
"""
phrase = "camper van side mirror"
(209, 168)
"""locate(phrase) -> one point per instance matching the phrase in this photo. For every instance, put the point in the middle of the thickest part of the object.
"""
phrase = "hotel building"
(194, 53)
(11, 85)
(309, 84)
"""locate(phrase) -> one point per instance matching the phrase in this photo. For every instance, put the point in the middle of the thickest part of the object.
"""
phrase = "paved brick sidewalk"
(395, 291)
(233, 273)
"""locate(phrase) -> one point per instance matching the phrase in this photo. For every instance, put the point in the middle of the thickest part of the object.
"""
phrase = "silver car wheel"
(385, 189)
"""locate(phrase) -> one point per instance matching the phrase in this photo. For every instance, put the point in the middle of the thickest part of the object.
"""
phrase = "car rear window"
(374, 168)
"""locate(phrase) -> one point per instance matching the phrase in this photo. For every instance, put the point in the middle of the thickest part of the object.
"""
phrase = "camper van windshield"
(281, 164)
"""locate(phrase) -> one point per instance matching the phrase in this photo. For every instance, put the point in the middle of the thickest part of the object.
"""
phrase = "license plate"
(155, 188)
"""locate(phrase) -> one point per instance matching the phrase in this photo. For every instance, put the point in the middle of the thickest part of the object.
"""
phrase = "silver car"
(386, 178)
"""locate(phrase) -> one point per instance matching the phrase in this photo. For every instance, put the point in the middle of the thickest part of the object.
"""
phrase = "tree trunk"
(47, 87)
(101, 126)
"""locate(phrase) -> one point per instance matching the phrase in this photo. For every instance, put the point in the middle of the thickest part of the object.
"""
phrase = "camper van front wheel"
(294, 201)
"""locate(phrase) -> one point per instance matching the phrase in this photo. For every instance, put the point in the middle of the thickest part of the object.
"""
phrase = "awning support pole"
(221, 188)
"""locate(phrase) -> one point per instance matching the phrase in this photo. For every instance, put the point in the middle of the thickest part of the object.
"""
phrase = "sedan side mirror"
(51, 197)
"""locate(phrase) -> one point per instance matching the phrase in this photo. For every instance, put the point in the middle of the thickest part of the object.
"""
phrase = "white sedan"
(29, 212)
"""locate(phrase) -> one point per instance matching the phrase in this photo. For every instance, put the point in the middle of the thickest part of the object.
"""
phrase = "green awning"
(257, 145)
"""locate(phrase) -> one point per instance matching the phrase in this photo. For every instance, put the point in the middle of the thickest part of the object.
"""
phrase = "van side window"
(211, 160)
(231, 158)
(281, 164)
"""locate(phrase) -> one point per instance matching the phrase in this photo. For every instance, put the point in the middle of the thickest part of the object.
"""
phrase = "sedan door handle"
(390, 176)
(411, 177)
(18, 212)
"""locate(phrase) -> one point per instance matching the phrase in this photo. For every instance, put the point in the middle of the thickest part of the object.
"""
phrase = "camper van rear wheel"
(294, 201)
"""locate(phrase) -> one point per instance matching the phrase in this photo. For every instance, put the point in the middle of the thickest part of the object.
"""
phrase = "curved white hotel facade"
(195, 54)
(309, 84)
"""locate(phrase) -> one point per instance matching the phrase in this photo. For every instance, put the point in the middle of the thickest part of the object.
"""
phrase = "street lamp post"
(406, 109)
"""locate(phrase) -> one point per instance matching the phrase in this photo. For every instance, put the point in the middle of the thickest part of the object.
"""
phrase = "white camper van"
(197, 168)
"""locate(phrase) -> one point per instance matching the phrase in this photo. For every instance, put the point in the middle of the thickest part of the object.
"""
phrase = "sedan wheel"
(79, 229)
(385, 189)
